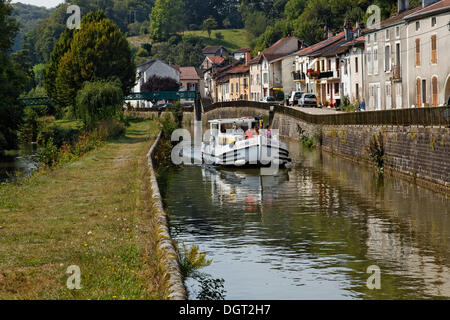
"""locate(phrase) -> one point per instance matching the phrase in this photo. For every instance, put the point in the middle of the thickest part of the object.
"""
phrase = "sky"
(41, 3)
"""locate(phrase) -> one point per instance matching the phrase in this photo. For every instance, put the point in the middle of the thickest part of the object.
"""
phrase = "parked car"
(268, 99)
(164, 106)
(308, 100)
(294, 98)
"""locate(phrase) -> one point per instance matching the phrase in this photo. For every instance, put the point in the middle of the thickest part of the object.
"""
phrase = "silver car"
(308, 100)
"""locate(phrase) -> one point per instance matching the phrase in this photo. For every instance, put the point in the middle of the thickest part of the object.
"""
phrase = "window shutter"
(433, 49)
(418, 92)
(417, 52)
(435, 92)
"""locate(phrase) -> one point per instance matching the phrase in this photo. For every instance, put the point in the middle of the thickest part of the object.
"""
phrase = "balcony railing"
(299, 76)
(397, 74)
(328, 74)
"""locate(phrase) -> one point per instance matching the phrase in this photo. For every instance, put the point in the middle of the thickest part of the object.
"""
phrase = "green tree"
(166, 19)
(98, 51)
(98, 100)
(209, 25)
(294, 8)
(256, 23)
(12, 79)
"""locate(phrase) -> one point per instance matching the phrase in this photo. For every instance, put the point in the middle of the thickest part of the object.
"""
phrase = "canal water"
(312, 232)
(18, 163)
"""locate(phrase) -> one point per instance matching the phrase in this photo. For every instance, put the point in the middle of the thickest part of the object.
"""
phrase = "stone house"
(427, 47)
(255, 66)
(386, 61)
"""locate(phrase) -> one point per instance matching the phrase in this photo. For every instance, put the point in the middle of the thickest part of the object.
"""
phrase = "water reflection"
(18, 163)
(311, 233)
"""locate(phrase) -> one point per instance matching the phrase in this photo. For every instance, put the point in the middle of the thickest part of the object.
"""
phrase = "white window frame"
(387, 34)
(376, 64)
(389, 69)
(369, 61)
(397, 32)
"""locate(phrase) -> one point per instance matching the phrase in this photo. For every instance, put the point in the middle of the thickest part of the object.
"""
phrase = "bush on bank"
(52, 155)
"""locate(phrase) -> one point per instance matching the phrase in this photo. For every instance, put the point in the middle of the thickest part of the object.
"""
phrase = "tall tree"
(98, 51)
(166, 19)
(11, 79)
(209, 25)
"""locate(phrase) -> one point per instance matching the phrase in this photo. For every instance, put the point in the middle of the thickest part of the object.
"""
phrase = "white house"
(149, 69)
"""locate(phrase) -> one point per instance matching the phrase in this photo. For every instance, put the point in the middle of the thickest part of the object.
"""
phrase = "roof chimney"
(248, 57)
(403, 5)
(348, 28)
(426, 3)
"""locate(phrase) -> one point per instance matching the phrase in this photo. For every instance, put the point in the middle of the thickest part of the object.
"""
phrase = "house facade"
(149, 69)
(272, 65)
(428, 45)
(189, 78)
(386, 61)
(255, 69)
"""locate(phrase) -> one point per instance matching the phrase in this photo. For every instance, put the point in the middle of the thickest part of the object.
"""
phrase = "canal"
(18, 163)
(312, 232)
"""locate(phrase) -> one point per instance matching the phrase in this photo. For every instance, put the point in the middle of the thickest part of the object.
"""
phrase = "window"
(336, 88)
(356, 65)
(369, 62)
(433, 21)
(388, 34)
(424, 91)
(417, 52)
(375, 37)
(368, 38)
(265, 78)
(417, 25)
(397, 32)
(357, 91)
(387, 58)
(433, 49)
(434, 85)
(375, 60)
(329, 64)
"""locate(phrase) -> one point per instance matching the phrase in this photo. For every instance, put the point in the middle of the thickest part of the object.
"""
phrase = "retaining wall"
(166, 245)
(419, 153)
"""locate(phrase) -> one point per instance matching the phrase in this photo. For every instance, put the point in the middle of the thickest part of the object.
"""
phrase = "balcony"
(397, 73)
(299, 76)
(324, 75)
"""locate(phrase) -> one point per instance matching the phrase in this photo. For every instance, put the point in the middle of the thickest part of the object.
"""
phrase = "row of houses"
(401, 63)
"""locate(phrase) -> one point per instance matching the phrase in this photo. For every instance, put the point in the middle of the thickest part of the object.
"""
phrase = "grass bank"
(233, 39)
(94, 213)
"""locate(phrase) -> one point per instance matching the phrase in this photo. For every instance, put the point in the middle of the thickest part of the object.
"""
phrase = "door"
(378, 99)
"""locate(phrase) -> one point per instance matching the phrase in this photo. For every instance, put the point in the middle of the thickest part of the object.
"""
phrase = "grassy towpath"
(95, 214)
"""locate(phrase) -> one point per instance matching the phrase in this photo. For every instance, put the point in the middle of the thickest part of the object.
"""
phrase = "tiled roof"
(241, 68)
(276, 51)
(256, 60)
(212, 49)
(440, 6)
(321, 45)
(216, 60)
(188, 73)
(243, 50)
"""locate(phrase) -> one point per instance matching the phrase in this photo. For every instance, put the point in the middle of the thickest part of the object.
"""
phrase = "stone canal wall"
(418, 153)
(166, 244)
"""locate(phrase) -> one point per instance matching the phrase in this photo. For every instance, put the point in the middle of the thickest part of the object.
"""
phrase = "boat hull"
(257, 153)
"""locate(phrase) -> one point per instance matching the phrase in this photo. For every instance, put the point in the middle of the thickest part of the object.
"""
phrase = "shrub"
(142, 53)
(219, 35)
(191, 260)
(99, 101)
(168, 126)
(376, 151)
(177, 111)
(48, 154)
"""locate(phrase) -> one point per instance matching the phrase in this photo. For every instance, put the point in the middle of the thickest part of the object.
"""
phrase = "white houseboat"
(244, 142)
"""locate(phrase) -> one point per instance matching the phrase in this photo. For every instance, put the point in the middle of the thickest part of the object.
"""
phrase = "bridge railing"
(433, 116)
